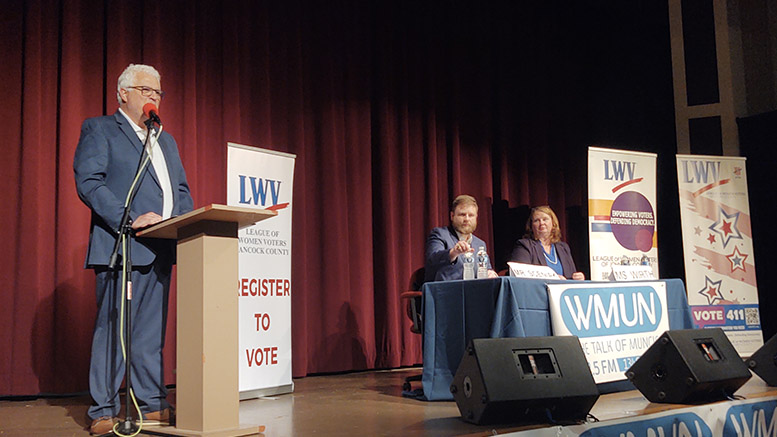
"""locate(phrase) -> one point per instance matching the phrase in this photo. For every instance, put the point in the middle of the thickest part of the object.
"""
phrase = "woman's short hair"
(555, 231)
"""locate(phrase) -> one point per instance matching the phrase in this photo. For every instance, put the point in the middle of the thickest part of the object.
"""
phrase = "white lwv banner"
(621, 210)
(718, 247)
(263, 179)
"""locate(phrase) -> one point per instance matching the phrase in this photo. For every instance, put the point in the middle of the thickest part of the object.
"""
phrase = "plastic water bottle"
(482, 263)
(645, 261)
(468, 259)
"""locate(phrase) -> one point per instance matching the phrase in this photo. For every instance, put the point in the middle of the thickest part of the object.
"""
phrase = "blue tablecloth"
(455, 312)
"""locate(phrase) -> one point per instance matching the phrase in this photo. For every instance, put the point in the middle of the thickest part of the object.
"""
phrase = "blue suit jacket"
(105, 162)
(438, 263)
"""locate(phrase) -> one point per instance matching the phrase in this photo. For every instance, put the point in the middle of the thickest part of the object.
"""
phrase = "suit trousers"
(150, 291)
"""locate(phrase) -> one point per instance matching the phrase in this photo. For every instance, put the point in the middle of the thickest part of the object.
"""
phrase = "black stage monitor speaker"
(531, 379)
(689, 366)
(764, 362)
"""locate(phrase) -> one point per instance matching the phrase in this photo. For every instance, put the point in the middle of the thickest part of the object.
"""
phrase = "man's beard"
(466, 229)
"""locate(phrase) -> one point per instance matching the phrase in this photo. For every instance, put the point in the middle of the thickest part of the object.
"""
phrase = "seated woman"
(542, 245)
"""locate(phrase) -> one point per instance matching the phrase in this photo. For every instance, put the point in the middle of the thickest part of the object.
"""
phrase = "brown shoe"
(164, 417)
(102, 425)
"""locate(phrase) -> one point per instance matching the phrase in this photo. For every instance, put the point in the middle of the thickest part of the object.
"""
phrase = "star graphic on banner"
(697, 230)
(737, 260)
(711, 238)
(726, 227)
(711, 290)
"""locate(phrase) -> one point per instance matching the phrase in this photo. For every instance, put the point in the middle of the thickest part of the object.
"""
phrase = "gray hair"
(127, 77)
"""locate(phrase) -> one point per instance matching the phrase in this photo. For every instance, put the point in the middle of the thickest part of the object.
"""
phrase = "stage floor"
(363, 403)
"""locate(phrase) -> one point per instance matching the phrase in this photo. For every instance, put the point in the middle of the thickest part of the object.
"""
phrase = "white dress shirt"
(160, 167)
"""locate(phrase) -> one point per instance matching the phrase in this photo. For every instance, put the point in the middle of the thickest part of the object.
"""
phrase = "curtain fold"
(392, 109)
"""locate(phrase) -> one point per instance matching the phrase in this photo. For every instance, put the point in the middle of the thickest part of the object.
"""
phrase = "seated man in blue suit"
(445, 244)
(105, 163)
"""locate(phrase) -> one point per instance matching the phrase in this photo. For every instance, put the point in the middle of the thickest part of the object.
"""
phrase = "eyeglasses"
(147, 92)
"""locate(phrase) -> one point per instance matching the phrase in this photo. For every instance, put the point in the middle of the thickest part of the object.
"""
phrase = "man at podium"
(105, 164)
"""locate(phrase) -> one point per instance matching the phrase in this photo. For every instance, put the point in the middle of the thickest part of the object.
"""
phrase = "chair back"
(412, 297)
(417, 279)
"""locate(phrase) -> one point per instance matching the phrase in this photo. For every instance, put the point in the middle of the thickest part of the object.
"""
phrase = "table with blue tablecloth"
(455, 312)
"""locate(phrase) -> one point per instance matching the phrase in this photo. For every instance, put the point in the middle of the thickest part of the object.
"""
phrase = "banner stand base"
(264, 392)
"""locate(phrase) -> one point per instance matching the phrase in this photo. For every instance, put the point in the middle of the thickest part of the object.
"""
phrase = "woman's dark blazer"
(530, 251)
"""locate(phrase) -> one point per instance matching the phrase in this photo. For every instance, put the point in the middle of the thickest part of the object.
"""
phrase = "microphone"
(150, 110)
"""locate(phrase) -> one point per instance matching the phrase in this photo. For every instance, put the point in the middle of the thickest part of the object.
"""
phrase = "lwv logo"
(700, 171)
(617, 170)
(254, 191)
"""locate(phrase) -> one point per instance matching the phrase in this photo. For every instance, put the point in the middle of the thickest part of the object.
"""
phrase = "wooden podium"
(207, 391)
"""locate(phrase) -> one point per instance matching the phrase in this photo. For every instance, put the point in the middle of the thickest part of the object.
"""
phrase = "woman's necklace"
(553, 253)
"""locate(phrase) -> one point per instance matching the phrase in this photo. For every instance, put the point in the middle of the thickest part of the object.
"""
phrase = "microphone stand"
(128, 426)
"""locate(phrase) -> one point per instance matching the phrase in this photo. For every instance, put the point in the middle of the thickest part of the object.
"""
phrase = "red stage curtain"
(391, 108)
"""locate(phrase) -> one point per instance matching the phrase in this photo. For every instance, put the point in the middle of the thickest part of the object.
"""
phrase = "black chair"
(412, 299)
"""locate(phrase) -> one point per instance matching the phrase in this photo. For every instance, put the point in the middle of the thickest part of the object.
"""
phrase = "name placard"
(520, 270)
(631, 273)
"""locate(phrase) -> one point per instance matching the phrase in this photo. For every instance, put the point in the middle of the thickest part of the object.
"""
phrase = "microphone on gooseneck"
(150, 110)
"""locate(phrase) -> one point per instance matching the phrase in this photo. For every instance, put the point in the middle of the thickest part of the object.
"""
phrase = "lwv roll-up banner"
(264, 179)
(621, 210)
(718, 247)
(616, 323)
